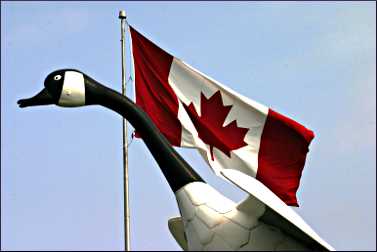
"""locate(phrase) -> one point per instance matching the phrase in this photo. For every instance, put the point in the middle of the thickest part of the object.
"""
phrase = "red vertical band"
(282, 153)
(153, 92)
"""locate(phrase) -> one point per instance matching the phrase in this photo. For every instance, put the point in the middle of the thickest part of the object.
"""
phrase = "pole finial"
(122, 14)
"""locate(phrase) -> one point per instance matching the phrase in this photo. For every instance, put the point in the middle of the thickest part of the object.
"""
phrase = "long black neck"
(176, 170)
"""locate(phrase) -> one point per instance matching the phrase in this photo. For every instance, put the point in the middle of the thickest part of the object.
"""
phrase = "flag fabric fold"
(229, 130)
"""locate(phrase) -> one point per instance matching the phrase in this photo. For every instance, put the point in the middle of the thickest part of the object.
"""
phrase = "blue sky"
(61, 169)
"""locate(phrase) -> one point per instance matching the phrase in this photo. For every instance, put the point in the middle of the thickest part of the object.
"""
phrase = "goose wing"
(177, 229)
(277, 213)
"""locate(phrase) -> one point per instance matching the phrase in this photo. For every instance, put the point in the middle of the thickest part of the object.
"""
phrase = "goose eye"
(57, 77)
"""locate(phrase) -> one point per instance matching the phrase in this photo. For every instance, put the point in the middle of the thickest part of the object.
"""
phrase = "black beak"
(42, 98)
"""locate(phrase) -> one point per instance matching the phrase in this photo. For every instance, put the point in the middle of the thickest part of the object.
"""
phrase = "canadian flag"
(229, 130)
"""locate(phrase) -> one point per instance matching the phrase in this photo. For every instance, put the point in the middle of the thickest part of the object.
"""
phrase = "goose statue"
(209, 220)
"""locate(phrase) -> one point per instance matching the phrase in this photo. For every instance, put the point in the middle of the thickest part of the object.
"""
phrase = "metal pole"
(122, 17)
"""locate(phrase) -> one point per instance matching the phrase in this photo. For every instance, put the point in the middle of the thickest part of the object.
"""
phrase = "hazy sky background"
(61, 168)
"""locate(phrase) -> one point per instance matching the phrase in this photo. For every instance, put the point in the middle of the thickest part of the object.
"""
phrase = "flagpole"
(122, 17)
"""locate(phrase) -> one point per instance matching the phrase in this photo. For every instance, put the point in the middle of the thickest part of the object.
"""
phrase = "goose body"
(214, 222)
(209, 220)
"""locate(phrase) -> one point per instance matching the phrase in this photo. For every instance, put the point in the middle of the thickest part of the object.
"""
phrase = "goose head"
(64, 88)
(72, 88)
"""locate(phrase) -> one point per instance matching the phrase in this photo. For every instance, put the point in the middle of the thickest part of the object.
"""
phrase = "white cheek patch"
(73, 92)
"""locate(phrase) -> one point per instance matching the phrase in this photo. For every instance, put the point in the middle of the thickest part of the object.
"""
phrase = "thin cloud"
(59, 25)
(356, 127)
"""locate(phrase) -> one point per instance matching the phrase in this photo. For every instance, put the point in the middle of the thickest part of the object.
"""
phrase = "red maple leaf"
(209, 125)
